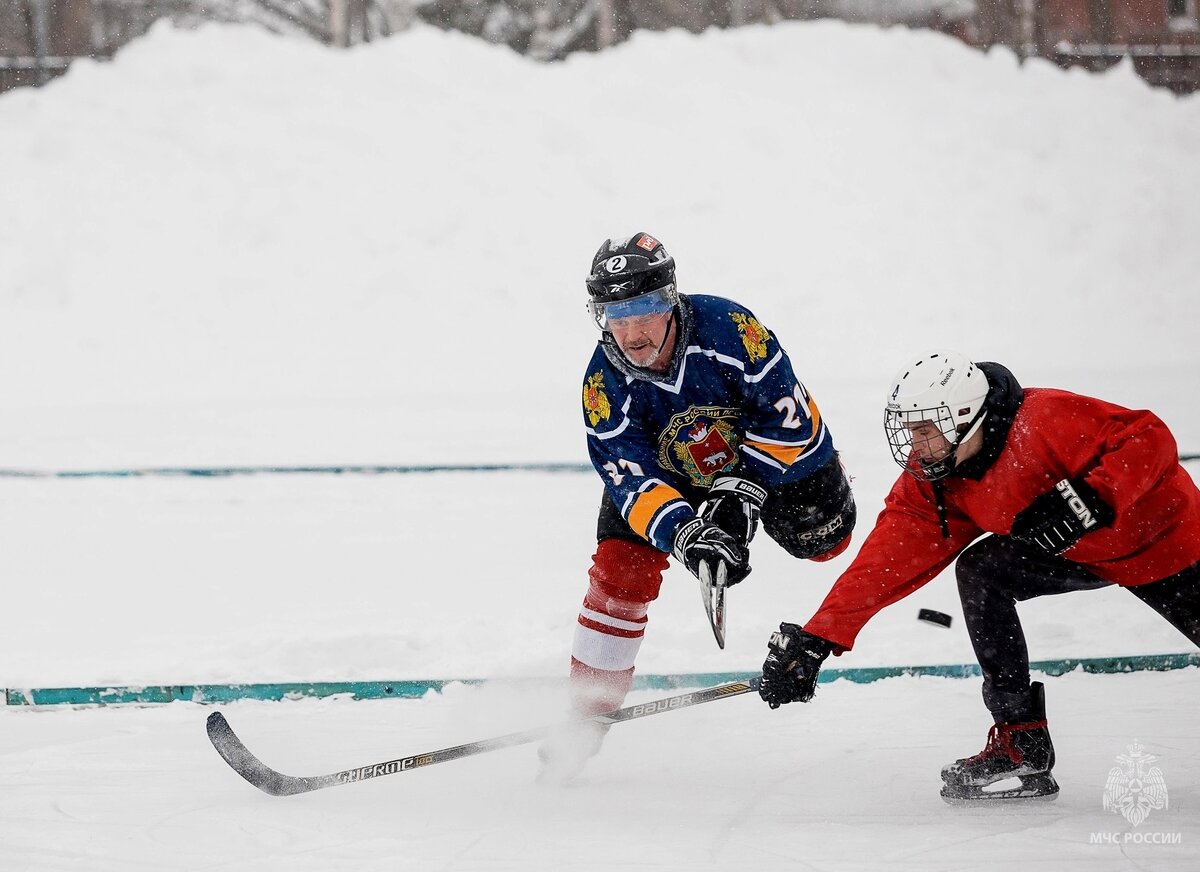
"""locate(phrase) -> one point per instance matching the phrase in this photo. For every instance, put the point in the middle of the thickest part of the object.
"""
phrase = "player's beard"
(644, 355)
(648, 349)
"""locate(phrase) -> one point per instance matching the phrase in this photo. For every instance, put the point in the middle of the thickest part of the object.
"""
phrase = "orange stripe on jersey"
(648, 504)
(785, 454)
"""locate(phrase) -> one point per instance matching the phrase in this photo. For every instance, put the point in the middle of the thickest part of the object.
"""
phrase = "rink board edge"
(416, 688)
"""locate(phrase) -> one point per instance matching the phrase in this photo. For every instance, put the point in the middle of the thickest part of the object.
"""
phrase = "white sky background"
(227, 248)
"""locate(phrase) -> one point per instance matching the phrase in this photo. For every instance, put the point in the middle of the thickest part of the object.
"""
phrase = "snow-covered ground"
(226, 248)
(848, 783)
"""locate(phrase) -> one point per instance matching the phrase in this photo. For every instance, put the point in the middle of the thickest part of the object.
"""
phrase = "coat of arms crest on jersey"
(595, 401)
(754, 335)
(700, 443)
(1135, 788)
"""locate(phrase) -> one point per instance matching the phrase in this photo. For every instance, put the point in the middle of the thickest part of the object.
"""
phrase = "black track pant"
(997, 572)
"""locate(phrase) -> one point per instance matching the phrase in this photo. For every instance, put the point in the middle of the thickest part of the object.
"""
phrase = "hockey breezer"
(245, 764)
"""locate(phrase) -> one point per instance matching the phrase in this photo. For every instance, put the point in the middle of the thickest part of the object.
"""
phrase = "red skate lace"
(999, 741)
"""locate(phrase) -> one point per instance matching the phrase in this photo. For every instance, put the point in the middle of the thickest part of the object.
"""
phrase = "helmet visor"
(657, 302)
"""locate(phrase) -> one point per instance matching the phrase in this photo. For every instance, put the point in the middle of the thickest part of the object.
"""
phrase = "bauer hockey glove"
(699, 541)
(790, 671)
(734, 504)
(1060, 517)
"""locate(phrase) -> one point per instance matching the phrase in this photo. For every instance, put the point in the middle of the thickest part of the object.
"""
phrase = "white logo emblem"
(614, 473)
(615, 264)
(1077, 504)
(1135, 788)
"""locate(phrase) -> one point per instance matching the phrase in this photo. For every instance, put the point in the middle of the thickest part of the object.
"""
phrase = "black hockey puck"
(931, 617)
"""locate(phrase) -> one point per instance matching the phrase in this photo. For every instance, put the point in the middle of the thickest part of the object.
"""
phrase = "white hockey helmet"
(945, 389)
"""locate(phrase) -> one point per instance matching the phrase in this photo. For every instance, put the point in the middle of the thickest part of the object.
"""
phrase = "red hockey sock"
(625, 577)
(598, 690)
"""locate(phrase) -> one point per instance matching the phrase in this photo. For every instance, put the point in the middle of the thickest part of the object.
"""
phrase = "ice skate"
(1041, 787)
(566, 751)
(1015, 752)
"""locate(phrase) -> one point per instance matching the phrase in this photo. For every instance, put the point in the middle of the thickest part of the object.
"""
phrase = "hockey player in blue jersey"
(699, 428)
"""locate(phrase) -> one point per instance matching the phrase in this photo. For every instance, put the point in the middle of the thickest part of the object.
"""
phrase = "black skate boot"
(1014, 750)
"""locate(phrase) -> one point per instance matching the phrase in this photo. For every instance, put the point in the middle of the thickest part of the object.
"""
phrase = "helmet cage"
(942, 390)
(900, 439)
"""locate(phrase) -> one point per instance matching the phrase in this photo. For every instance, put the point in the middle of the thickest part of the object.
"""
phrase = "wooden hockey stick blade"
(268, 780)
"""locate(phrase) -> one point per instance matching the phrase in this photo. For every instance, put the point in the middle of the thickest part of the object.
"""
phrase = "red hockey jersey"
(1129, 457)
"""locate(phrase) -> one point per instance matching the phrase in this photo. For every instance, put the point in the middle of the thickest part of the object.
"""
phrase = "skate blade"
(1033, 788)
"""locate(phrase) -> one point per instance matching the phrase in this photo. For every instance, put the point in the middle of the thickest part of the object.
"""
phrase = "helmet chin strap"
(951, 459)
(943, 466)
(614, 347)
(666, 335)
(939, 469)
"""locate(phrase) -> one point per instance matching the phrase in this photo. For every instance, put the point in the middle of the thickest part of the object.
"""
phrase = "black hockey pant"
(997, 572)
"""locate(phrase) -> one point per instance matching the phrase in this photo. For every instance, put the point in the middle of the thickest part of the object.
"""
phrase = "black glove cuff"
(743, 487)
(687, 531)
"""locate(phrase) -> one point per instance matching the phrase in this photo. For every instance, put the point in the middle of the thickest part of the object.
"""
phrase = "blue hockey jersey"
(731, 405)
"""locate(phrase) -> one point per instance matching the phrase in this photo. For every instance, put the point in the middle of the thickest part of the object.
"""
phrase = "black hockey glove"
(699, 541)
(790, 671)
(734, 504)
(1059, 518)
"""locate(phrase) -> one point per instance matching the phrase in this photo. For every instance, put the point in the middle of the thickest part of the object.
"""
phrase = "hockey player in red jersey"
(699, 428)
(1077, 493)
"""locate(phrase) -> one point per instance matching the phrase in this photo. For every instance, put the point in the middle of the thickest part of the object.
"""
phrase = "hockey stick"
(712, 591)
(245, 764)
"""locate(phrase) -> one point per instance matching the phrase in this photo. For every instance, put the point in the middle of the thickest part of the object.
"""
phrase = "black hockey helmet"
(631, 276)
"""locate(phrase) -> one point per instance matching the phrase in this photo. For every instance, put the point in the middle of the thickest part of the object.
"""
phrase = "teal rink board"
(416, 688)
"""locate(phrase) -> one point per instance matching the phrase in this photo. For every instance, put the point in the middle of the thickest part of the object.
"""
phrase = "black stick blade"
(245, 764)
